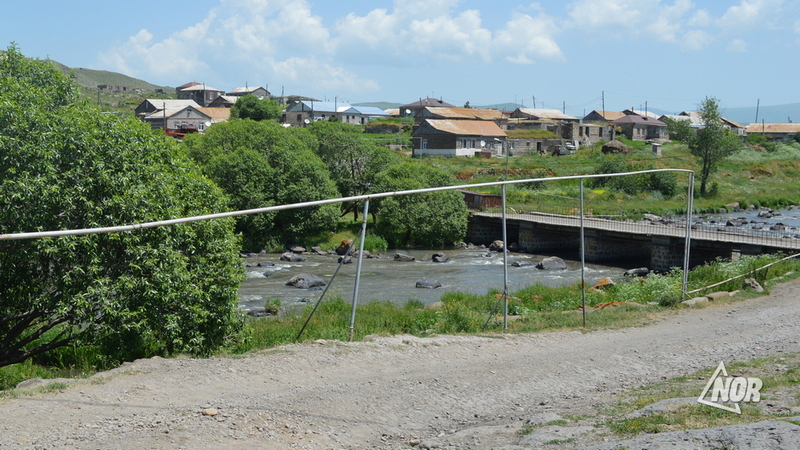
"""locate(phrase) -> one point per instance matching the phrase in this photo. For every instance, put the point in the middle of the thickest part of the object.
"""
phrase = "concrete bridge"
(660, 246)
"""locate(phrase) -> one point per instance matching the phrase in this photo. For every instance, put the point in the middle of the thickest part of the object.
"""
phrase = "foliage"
(63, 166)
(261, 164)
(679, 130)
(713, 142)
(434, 218)
(664, 182)
(250, 107)
(352, 162)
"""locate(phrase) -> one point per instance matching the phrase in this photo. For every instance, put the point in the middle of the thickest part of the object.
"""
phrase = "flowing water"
(469, 270)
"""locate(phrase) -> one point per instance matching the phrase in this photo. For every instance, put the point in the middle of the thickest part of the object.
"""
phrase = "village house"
(152, 105)
(412, 109)
(300, 113)
(178, 117)
(602, 116)
(454, 113)
(223, 101)
(202, 95)
(775, 131)
(542, 114)
(435, 137)
(640, 128)
(260, 92)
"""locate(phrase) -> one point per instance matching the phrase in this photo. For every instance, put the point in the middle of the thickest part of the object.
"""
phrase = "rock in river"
(305, 281)
(426, 283)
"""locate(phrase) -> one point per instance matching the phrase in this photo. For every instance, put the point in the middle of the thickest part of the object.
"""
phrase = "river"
(384, 279)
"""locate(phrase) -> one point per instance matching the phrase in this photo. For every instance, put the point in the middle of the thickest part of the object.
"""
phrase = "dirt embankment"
(398, 392)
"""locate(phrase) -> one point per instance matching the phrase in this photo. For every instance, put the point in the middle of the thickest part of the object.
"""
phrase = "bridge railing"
(563, 205)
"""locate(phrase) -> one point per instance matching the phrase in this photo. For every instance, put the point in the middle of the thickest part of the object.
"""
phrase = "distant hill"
(90, 78)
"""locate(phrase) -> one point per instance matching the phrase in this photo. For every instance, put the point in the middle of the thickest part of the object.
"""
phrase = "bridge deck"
(649, 229)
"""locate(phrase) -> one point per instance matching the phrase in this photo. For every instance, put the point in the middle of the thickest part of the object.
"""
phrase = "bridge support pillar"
(532, 240)
(603, 248)
(666, 253)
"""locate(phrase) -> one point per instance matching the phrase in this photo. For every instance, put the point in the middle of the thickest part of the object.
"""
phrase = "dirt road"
(398, 392)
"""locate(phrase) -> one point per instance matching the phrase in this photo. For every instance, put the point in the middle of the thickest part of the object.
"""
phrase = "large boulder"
(637, 272)
(344, 247)
(426, 283)
(296, 249)
(305, 281)
(403, 257)
(497, 246)
(523, 263)
(552, 263)
(292, 257)
(439, 258)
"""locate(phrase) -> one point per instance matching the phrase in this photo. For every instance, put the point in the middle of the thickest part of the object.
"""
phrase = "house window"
(528, 143)
(463, 143)
(299, 118)
(424, 144)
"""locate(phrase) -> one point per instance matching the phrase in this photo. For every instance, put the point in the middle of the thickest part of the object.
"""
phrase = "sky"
(577, 55)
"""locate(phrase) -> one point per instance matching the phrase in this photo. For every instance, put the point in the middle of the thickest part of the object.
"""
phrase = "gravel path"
(465, 392)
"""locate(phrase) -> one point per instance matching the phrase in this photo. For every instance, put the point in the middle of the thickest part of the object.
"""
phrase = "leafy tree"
(434, 218)
(263, 164)
(712, 143)
(140, 293)
(250, 107)
(679, 130)
(352, 161)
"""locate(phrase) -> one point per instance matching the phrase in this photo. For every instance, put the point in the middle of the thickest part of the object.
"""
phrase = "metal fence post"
(358, 269)
(583, 262)
(505, 264)
(688, 243)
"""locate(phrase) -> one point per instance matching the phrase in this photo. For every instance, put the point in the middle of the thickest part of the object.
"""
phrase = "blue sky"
(668, 55)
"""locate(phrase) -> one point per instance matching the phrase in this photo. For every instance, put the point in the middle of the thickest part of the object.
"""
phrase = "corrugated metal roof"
(774, 128)
(467, 127)
(637, 119)
(172, 111)
(465, 113)
(171, 103)
(731, 123)
(200, 87)
(694, 120)
(609, 115)
(427, 102)
(370, 111)
(546, 113)
(648, 114)
(217, 114)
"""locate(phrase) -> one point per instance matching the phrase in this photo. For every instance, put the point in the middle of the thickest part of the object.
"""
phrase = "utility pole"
(758, 103)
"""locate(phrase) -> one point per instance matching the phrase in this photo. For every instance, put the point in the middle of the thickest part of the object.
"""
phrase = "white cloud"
(526, 39)
(436, 31)
(749, 14)
(737, 46)
(632, 18)
(700, 18)
(695, 40)
(321, 75)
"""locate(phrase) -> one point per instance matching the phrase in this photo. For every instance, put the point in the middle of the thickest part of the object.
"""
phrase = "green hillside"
(123, 103)
(90, 78)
